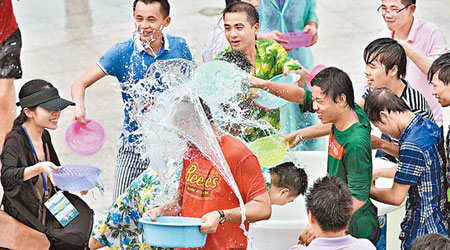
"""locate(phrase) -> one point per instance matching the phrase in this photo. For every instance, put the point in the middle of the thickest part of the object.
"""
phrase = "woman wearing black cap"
(28, 155)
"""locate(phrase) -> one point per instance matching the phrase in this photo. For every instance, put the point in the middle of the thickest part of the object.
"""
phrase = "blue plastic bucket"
(173, 232)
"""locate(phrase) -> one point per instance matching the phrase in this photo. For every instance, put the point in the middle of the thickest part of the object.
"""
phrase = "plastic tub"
(269, 150)
(173, 232)
(87, 139)
(76, 177)
(272, 101)
(296, 39)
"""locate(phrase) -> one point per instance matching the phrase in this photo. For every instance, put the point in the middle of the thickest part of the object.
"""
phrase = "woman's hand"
(46, 167)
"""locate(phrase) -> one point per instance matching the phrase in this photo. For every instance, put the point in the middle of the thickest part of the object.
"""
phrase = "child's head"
(288, 182)
(40, 103)
(385, 60)
(432, 241)
(439, 76)
(329, 204)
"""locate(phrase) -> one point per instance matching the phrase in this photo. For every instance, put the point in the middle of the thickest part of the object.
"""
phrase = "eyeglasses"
(384, 10)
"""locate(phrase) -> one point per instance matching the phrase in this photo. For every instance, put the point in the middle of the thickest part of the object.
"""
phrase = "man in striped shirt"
(385, 62)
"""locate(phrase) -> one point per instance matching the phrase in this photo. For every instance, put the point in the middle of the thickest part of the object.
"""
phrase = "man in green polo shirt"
(349, 148)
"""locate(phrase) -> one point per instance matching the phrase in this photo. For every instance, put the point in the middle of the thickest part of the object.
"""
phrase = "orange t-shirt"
(204, 190)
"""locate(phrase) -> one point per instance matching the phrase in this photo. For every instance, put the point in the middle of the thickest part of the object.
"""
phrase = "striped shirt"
(421, 167)
(415, 101)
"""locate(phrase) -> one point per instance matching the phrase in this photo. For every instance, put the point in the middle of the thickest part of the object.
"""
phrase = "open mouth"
(235, 43)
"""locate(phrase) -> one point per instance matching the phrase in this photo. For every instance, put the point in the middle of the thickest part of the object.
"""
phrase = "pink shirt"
(428, 39)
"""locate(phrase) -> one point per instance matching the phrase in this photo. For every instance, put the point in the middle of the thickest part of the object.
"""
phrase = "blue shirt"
(129, 62)
(421, 166)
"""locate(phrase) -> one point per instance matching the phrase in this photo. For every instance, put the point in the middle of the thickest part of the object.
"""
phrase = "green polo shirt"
(350, 159)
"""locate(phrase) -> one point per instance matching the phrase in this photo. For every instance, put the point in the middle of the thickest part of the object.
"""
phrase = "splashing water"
(169, 116)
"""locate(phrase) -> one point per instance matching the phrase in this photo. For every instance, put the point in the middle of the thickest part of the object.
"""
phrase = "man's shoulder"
(176, 41)
(234, 148)
(426, 25)
(124, 45)
(268, 45)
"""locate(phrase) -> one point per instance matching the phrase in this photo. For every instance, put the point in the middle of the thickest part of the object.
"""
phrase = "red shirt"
(204, 190)
(8, 23)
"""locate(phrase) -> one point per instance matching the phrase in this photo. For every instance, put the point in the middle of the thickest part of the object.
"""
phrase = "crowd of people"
(408, 78)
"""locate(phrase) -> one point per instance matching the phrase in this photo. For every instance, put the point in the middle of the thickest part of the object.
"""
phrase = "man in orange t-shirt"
(203, 193)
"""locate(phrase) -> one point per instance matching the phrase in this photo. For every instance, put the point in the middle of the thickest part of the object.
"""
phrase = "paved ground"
(61, 39)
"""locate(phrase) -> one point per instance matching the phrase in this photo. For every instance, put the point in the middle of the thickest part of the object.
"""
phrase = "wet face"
(239, 32)
(149, 21)
(440, 90)
(281, 196)
(327, 110)
(387, 124)
(43, 118)
(376, 74)
(394, 16)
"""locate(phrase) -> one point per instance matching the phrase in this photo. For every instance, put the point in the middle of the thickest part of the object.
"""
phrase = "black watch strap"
(222, 216)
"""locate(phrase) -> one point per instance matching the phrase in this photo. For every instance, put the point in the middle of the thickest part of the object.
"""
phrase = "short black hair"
(431, 241)
(165, 6)
(237, 58)
(287, 175)
(387, 52)
(228, 2)
(383, 99)
(331, 203)
(248, 9)
(441, 65)
(406, 2)
(334, 82)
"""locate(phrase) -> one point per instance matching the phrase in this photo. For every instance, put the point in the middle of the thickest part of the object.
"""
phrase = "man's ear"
(393, 72)
(384, 116)
(256, 27)
(167, 21)
(342, 100)
(285, 191)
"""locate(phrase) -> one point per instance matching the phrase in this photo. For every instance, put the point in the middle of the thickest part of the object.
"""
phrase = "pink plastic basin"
(314, 71)
(296, 39)
(85, 140)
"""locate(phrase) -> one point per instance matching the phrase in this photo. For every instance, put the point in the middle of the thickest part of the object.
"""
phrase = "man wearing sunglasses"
(420, 39)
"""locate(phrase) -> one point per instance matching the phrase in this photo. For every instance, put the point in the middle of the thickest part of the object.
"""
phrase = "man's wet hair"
(431, 241)
(237, 58)
(334, 82)
(441, 66)
(331, 203)
(287, 175)
(164, 9)
(383, 99)
(248, 9)
(387, 52)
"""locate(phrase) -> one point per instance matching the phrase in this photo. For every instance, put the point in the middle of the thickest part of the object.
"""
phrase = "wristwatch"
(222, 216)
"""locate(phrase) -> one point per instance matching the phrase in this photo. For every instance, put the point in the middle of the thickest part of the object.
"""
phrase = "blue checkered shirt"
(421, 167)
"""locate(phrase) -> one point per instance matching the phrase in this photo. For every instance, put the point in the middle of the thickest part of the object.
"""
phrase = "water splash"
(169, 116)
